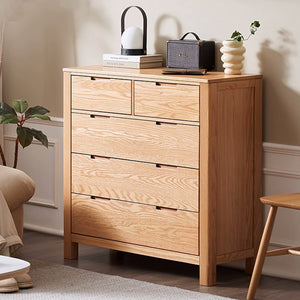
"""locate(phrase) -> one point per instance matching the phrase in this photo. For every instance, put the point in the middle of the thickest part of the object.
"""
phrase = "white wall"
(44, 36)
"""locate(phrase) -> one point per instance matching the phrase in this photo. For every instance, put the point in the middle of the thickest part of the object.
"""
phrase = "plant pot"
(232, 57)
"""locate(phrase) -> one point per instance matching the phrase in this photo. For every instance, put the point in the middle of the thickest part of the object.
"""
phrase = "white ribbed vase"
(232, 57)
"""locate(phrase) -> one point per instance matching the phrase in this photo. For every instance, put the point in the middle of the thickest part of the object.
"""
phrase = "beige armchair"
(17, 188)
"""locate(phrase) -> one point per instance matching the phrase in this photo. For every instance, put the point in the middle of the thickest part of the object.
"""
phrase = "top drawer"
(167, 100)
(101, 94)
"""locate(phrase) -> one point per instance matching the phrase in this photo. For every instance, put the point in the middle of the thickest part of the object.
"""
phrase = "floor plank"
(230, 282)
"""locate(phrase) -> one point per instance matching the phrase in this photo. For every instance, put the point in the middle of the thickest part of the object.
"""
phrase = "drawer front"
(160, 185)
(136, 223)
(101, 94)
(149, 141)
(164, 100)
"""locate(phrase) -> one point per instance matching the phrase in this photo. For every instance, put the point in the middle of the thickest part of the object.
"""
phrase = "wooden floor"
(230, 282)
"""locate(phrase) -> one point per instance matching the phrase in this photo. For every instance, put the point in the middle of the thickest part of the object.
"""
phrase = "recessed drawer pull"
(99, 78)
(165, 167)
(99, 116)
(164, 83)
(165, 208)
(165, 124)
(99, 157)
(100, 198)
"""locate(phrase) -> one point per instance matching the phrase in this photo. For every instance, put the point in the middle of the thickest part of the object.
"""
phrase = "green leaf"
(9, 118)
(43, 117)
(40, 136)
(20, 105)
(36, 110)
(255, 24)
(235, 34)
(25, 136)
(6, 109)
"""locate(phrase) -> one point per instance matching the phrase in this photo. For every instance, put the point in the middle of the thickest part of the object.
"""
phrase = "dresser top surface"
(156, 73)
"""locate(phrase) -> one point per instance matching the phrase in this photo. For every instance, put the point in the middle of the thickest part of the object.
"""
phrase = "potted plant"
(19, 114)
(233, 50)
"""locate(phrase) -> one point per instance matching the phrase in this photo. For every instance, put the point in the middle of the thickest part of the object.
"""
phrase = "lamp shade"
(134, 39)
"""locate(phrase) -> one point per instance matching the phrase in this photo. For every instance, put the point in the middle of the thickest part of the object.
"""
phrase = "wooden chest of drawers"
(166, 166)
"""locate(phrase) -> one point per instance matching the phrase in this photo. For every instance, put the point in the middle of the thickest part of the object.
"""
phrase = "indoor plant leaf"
(6, 109)
(25, 136)
(20, 105)
(43, 117)
(40, 136)
(9, 118)
(36, 110)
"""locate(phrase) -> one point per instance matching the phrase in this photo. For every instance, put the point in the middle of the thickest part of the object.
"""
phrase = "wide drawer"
(149, 141)
(165, 100)
(135, 223)
(155, 184)
(101, 94)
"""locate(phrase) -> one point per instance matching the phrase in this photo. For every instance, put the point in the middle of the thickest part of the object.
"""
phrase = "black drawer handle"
(99, 157)
(161, 166)
(100, 198)
(165, 83)
(165, 124)
(99, 116)
(165, 208)
(99, 78)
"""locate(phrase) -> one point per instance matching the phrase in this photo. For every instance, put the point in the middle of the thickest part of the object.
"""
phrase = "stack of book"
(133, 61)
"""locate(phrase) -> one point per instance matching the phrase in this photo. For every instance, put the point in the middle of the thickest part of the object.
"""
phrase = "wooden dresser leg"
(208, 275)
(262, 253)
(71, 250)
(249, 265)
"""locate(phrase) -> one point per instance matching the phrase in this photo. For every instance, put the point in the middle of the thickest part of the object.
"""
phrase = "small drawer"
(146, 183)
(101, 94)
(148, 141)
(139, 224)
(167, 100)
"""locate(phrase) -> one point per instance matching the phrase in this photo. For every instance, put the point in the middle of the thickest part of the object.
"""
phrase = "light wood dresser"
(163, 165)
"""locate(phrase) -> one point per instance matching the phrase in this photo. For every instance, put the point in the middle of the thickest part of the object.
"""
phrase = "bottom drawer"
(140, 224)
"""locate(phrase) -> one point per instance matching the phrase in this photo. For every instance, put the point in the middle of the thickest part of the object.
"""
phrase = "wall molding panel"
(44, 212)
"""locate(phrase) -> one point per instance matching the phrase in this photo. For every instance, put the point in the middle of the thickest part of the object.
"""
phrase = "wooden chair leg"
(262, 253)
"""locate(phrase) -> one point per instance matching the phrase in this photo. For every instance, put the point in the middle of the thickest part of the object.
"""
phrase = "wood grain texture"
(156, 75)
(238, 255)
(235, 146)
(283, 200)
(217, 134)
(135, 117)
(137, 249)
(163, 143)
(257, 175)
(102, 94)
(135, 223)
(70, 248)
(146, 183)
(208, 185)
(167, 100)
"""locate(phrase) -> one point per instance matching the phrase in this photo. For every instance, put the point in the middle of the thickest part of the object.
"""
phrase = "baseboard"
(42, 229)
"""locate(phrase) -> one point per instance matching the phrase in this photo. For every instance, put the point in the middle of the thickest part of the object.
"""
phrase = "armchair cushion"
(16, 186)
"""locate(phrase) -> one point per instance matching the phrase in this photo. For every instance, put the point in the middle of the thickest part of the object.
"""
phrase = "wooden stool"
(287, 201)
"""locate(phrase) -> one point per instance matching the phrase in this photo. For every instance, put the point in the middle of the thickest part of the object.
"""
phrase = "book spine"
(134, 65)
(121, 58)
(121, 64)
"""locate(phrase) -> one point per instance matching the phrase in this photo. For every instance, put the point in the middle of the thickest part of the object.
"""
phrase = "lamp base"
(133, 51)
